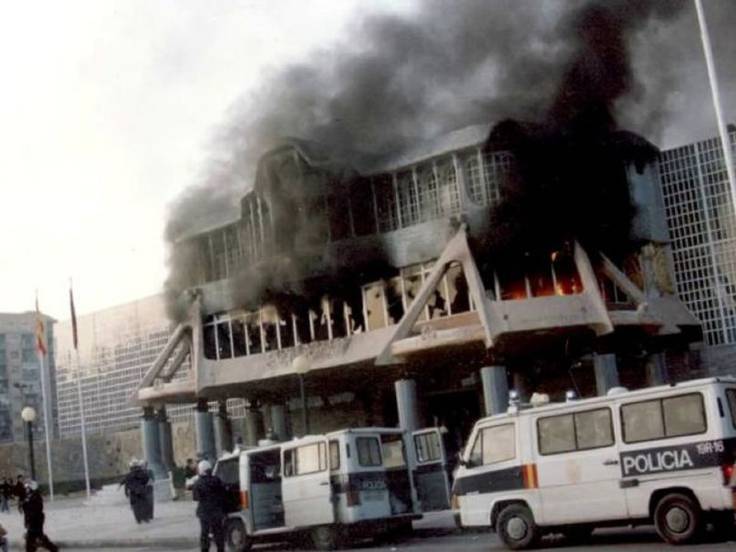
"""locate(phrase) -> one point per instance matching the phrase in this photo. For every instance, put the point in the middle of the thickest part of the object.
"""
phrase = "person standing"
(5, 492)
(19, 490)
(34, 519)
(149, 491)
(135, 483)
(209, 492)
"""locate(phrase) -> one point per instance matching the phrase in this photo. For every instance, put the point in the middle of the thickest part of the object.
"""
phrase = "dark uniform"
(136, 488)
(35, 518)
(209, 491)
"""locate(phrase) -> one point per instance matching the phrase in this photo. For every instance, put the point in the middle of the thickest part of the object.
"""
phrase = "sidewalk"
(71, 524)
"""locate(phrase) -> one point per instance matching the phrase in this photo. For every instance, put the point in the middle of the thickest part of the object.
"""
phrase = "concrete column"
(407, 404)
(253, 425)
(165, 438)
(495, 389)
(279, 422)
(151, 443)
(656, 367)
(606, 372)
(223, 430)
(204, 431)
(518, 380)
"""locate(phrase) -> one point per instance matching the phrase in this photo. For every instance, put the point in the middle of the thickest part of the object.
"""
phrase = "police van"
(662, 455)
(331, 487)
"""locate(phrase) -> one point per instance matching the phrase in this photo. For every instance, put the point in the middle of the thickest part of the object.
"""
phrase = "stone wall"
(108, 455)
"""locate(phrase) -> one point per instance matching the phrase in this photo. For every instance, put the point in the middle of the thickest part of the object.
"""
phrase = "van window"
(660, 418)
(369, 451)
(393, 452)
(494, 444)
(576, 431)
(731, 396)
(428, 447)
(556, 434)
(334, 455)
(227, 471)
(305, 460)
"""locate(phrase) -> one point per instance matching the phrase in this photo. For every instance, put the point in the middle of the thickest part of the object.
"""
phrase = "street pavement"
(108, 528)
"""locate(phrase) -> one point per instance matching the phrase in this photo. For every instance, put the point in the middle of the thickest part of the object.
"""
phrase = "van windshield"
(731, 395)
(393, 451)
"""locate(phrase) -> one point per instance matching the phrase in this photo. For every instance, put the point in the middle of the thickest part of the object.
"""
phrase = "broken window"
(394, 300)
(269, 323)
(239, 337)
(303, 331)
(286, 330)
(385, 195)
(253, 325)
(408, 199)
(338, 209)
(540, 275)
(337, 317)
(373, 300)
(413, 279)
(458, 291)
(354, 308)
(362, 208)
(512, 282)
(567, 279)
(210, 350)
(222, 338)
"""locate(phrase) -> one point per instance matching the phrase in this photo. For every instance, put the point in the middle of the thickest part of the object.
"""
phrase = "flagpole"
(82, 423)
(713, 78)
(44, 397)
(82, 420)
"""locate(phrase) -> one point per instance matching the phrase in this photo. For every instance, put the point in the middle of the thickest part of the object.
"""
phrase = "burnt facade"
(371, 281)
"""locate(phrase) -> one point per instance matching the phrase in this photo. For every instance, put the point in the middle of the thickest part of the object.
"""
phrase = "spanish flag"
(40, 331)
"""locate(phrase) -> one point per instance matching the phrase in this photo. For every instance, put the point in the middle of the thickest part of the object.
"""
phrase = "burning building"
(419, 284)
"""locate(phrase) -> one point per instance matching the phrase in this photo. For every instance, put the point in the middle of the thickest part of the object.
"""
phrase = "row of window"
(590, 429)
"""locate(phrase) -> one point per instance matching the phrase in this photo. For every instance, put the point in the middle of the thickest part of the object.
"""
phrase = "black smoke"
(573, 65)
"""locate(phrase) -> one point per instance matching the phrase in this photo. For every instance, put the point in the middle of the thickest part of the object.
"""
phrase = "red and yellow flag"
(40, 332)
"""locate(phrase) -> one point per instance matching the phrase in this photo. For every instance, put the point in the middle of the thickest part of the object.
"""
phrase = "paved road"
(629, 540)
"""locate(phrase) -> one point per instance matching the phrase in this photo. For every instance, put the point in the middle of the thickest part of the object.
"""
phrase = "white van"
(332, 487)
(663, 455)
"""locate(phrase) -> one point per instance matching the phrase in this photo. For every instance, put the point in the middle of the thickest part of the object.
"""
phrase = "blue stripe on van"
(506, 479)
(690, 456)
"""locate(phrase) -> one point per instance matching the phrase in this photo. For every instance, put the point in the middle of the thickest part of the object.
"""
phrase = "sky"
(106, 113)
(109, 110)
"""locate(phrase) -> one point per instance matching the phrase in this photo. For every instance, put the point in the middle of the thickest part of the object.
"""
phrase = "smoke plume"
(575, 66)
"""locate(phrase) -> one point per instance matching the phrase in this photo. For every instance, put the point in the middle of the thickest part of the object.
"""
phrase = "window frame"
(359, 455)
(479, 439)
(322, 461)
(333, 444)
(575, 431)
(664, 421)
(731, 392)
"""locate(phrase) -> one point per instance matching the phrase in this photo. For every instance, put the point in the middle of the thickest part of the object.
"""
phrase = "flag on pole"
(74, 317)
(40, 331)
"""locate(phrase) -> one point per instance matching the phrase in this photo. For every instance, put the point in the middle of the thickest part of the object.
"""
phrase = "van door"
(578, 467)
(307, 493)
(430, 470)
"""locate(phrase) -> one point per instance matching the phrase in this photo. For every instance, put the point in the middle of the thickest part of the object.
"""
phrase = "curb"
(95, 544)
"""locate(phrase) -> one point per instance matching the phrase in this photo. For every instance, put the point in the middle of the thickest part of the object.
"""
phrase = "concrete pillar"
(253, 425)
(407, 404)
(204, 431)
(606, 372)
(518, 380)
(151, 443)
(656, 367)
(165, 437)
(279, 422)
(495, 389)
(223, 430)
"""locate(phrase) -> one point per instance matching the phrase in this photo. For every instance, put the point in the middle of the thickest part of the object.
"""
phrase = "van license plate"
(373, 495)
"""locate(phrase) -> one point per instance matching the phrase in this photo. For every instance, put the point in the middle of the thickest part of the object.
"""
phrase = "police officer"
(136, 488)
(34, 519)
(209, 491)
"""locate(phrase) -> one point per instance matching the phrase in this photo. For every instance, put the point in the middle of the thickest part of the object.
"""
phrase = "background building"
(116, 346)
(20, 375)
(702, 226)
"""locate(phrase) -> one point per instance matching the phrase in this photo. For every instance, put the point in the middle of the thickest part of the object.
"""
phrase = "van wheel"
(516, 527)
(677, 518)
(325, 537)
(236, 537)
